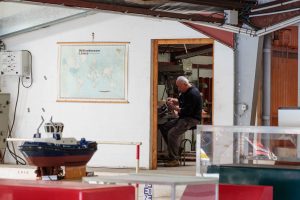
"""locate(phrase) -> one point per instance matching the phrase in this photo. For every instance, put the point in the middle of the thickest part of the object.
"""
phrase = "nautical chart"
(93, 71)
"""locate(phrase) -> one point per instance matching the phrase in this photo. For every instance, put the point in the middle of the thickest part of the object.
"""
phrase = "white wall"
(104, 121)
(223, 102)
(223, 85)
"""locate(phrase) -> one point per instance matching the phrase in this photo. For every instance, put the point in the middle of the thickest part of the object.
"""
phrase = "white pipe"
(274, 6)
(19, 140)
(119, 143)
(229, 28)
(274, 13)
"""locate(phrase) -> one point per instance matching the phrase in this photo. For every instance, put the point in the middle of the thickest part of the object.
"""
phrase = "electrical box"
(17, 63)
(231, 17)
(4, 110)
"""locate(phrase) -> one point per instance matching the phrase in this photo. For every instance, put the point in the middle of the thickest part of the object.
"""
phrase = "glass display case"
(246, 145)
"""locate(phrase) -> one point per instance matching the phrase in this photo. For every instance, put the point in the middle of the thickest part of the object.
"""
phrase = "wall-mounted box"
(231, 17)
(15, 63)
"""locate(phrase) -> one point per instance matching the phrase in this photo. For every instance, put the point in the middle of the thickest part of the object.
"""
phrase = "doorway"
(171, 58)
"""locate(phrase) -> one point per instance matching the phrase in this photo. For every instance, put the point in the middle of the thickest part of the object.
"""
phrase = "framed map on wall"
(93, 72)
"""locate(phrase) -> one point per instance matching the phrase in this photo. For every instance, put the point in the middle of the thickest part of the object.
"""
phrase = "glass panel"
(247, 145)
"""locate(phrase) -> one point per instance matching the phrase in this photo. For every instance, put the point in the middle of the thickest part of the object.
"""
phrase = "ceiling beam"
(277, 9)
(191, 50)
(234, 5)
(129, 10)
(194, 52)
(273, 4)
(202, 66)
(271, 16)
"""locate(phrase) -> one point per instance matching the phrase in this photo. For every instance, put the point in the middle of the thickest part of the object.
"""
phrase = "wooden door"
(284, 71)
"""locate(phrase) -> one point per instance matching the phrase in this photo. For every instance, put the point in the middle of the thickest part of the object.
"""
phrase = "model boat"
(55, 150)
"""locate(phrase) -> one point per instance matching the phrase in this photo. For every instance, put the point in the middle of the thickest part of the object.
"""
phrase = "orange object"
(75, 172)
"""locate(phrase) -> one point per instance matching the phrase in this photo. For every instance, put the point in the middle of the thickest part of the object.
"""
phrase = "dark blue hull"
(44, 154)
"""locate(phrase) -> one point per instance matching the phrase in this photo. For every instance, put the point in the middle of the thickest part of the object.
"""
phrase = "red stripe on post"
(138, 152)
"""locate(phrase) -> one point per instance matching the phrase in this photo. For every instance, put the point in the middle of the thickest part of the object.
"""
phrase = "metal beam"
(248, 73)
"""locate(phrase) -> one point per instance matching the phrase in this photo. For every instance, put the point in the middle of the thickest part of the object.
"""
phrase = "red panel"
(224, 37)
(199, 192)
(58, 190)
(228, 192)
(245, 192)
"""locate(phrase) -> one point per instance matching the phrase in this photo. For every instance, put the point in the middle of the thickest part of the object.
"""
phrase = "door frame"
(154, 92)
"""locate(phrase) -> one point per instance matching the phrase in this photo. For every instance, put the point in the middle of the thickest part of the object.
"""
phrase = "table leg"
(173, 192)
(136, 191)
(217, 192)
(198, 154)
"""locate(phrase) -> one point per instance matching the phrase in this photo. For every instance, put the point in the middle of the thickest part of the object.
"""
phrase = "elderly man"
(189, 107)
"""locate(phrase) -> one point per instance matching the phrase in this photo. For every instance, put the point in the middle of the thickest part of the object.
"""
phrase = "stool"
(193, 145)
(183, 145)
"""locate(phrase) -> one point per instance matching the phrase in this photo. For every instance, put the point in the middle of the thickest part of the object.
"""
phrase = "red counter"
(62, 190)
(228, 192)
(245, 192)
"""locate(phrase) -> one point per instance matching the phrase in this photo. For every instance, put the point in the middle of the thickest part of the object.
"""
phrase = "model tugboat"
(51, 152)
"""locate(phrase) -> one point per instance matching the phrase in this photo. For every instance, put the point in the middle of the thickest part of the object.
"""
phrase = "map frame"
(62, 97)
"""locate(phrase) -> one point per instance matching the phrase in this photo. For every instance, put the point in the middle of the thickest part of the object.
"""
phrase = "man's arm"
(173, 104)
(173, 100)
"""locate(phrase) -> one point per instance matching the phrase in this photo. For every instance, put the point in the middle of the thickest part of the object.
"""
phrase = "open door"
(171, 58)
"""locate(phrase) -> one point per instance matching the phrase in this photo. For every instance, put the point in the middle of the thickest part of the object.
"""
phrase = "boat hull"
(50, 155)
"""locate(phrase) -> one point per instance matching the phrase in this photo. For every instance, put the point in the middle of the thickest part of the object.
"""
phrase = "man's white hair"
(183, 79)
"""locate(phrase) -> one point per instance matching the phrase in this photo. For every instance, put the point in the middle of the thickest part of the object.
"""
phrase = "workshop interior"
(83, 90)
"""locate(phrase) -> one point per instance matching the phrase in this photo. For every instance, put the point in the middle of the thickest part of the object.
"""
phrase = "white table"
(156, 179)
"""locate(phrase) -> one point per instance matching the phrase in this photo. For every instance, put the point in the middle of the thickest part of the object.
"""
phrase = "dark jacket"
(190, 103)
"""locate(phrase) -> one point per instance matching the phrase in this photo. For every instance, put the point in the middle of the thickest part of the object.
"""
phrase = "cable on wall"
(17, 158)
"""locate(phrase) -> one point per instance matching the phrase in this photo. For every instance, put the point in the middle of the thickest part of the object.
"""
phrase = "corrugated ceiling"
(254, 17)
